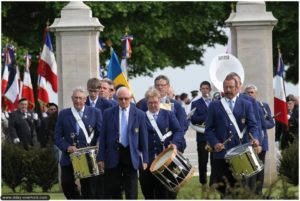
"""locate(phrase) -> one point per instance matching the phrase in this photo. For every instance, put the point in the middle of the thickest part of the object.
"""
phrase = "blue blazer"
(66, 124)
(259, 132)
(267, 122)
(109, 137)
(101, 103)
(218, 126)
(199, 116)
(166, 121)
(178, 110)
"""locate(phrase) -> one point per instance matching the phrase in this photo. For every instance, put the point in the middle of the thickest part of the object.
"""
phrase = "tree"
(165, 34)
(285, 35)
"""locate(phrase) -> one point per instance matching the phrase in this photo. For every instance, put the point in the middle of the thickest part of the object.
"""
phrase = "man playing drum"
(163, 131)
(220, 128)
(77, 127)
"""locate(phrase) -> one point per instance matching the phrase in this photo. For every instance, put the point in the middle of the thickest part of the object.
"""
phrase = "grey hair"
(79, 89)
(251, 86)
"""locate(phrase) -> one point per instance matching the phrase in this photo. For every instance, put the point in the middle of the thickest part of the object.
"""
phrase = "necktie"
(124, 126)
(92, 104)
(207, 101)
(77, 125)
(155, 116)
(231, 105)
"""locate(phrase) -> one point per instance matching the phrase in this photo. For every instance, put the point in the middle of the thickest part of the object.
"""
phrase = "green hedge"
(28, 168)
(289, 163)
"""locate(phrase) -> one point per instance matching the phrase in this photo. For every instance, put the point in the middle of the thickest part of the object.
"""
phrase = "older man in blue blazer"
(123, 147)
(163, 131)
(219, 128)
(256, 182)
(69, 136)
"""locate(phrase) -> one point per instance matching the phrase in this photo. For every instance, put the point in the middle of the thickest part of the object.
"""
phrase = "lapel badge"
(243, 120)
(136, 130)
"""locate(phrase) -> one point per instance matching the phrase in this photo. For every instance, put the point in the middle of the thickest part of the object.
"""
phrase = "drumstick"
(227, 140)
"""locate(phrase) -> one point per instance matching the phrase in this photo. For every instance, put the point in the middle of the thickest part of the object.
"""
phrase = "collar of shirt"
(95, 101)
(234, 99)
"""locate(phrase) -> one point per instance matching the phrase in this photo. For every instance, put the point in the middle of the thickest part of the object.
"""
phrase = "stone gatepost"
(77, 52)
(251, 27)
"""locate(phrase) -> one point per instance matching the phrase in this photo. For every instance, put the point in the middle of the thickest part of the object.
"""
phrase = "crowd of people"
(129, 136)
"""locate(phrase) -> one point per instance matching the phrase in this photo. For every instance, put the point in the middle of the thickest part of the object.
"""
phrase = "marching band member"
(162, 84)
(101, 103)
(256, 182)
(123, 147)
(227, 119)
(199, 118)
(163, 131)
(94, 100)
(77, 127)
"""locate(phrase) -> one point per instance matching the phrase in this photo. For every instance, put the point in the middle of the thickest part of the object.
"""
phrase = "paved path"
(191, 150)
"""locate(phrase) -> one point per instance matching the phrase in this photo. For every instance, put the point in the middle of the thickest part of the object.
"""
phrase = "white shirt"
(93, 101)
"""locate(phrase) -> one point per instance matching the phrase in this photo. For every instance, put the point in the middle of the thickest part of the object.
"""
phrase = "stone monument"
(251, 42)
(77, 50)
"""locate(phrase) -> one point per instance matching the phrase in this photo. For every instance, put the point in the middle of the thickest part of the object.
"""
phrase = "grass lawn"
(191, 190)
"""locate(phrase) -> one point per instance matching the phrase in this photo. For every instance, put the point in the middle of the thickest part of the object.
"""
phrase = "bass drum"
(172, 169)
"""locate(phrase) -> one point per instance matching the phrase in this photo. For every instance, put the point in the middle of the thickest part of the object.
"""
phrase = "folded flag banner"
(47, 64)
(115, 72)
(27, 89)
(13, 89)
(280, 107)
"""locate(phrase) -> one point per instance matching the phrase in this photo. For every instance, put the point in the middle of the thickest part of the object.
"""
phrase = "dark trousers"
(202, 161)
(222, 175)
(70, 189)
(99, 187)
(123, 177)
(151, 187)
(256, 182)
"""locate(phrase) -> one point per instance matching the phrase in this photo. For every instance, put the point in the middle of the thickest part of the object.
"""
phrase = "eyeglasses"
(123, 98)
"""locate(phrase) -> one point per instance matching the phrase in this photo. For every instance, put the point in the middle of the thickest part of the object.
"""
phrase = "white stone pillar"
(77, 52)
(252, 27)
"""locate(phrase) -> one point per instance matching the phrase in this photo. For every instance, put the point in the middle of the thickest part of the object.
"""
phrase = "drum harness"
(154, 125)
(81, 125)
(232, 119)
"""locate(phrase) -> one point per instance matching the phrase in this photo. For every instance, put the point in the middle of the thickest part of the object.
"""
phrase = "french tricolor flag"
(5, 72)
(280, 107)
(47, 64)
(27, 89)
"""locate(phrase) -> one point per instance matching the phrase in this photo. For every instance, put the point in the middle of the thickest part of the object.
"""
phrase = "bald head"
(124, 97)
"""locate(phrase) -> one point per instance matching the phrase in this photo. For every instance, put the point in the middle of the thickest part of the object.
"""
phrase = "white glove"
(35, 116)
(2, 116)
(7, 115)
(16, 141)
(44, 114)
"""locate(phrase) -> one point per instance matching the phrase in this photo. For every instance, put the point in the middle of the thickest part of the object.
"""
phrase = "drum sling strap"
(81, 125)
(232, 118)
(154, 125)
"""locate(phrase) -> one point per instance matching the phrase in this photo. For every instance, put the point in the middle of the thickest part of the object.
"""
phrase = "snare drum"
(172, 169)
(84, 162)
(243, 161)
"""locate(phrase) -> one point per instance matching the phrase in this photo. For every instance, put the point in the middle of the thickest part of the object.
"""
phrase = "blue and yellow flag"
(115, 72)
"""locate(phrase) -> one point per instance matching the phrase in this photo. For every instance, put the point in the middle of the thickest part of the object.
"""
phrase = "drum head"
(164, 158)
